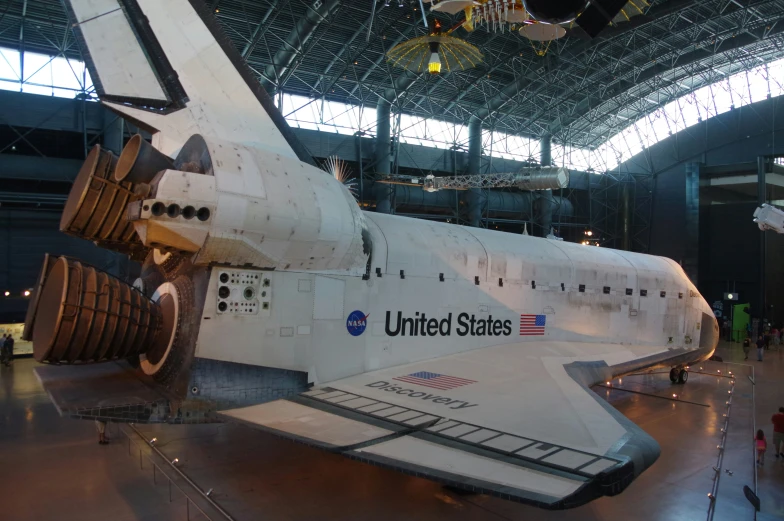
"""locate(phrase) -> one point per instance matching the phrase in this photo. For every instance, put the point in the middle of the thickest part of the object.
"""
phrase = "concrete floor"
(53, 468)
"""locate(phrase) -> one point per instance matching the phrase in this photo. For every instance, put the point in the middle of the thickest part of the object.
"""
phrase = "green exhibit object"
(740, 319)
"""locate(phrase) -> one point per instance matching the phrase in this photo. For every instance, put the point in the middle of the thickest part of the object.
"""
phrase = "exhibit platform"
(253, 474)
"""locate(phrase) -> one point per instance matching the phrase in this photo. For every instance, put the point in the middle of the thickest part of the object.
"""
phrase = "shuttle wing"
(495, 420)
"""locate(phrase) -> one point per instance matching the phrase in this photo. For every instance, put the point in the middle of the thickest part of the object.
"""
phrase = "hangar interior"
(670, 123)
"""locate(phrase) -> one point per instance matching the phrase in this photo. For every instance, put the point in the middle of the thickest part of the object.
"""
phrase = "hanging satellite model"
(435, 52)
(541, 21)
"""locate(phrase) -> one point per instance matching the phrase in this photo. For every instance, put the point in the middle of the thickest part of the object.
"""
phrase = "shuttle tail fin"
(169, 67)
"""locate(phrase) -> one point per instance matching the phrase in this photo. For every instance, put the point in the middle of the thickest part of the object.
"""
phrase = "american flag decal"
(436, 381)
(532, 325)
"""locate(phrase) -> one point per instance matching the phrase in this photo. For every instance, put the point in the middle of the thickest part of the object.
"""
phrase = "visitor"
(8, 350)
(746, 347)
(778, 432)
(101, 428)
(760, 348)
(761, 446)
(774, 336)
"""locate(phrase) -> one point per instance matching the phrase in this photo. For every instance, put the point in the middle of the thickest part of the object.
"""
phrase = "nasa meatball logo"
(356, 323)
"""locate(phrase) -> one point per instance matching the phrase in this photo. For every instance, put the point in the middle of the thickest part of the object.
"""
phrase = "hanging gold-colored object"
(630, 10)
(435, 53)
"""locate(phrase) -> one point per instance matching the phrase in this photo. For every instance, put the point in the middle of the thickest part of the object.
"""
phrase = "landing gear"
(679, 376)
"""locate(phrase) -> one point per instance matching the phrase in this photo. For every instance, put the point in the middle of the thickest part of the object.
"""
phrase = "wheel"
(683, 376)
(674, 375)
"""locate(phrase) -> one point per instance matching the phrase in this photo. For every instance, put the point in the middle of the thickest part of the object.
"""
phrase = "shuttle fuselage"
(434, 289)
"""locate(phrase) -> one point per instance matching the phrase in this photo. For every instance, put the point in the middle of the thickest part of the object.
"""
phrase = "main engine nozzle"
(95, 209)
(84, 315)
(139, 162)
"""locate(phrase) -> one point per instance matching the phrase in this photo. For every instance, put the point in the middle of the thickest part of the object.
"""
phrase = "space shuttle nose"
(140, 161)
(85, 315)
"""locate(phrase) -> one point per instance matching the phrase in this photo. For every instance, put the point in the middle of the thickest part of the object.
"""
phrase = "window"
(629, 291)
(46, 75)
(663, 294)
(734, 91)
(581, 288)
(643, 292)
(680, 295)
(606, 290)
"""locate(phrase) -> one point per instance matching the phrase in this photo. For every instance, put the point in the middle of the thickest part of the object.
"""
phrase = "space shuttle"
(268, 297)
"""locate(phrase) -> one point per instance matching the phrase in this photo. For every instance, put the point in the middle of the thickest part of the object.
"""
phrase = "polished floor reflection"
(60, 472)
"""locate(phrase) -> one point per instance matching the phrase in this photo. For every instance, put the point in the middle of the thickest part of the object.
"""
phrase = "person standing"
(760, 348)
(778, 432)
(746, 347)
(761, 445)
(100, 426)
(8, 350)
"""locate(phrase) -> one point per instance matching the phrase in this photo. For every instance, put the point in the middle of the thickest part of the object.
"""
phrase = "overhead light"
(7, 293)
(400, 3)
(434, 65)
(589, 233)
(26, 293)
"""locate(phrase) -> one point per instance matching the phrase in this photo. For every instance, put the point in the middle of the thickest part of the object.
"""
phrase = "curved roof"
(581, 92)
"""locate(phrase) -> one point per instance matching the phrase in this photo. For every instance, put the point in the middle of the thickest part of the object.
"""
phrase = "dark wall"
(733, 137)
(728, 239)
(729, 259)
(774, 277)
(25, 236)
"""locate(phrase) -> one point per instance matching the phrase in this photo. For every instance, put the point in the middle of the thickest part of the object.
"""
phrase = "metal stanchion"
(172, 465)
